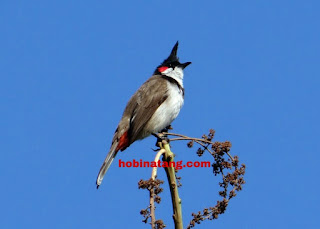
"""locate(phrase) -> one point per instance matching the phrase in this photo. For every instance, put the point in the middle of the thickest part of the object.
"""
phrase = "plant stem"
(171, 175)
(153, 176)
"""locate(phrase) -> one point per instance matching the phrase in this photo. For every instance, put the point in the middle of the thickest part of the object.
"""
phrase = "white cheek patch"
(177, 74)
(167, 71)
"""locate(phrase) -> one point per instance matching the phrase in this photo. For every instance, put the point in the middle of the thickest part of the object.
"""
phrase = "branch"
(153, 186)
(171, 175)
(152, 192)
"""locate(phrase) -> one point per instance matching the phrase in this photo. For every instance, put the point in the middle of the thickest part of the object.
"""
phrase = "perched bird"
(151, 109)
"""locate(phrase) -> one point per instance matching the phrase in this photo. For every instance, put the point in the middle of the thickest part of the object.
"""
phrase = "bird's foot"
(160, 137)
(165, 130)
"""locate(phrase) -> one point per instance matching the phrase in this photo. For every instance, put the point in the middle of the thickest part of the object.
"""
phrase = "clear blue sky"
(67, 69)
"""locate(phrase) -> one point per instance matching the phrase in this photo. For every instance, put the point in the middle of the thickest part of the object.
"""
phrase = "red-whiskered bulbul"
(151, 109)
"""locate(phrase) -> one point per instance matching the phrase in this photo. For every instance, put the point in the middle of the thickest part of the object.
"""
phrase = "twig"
(153, 177)
(187, 138)
(197, 140)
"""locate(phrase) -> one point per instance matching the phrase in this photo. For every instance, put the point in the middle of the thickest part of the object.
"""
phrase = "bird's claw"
(166, 130)
(160, 137)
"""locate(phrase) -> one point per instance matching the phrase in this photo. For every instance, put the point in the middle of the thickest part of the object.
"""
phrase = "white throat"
(176, 73)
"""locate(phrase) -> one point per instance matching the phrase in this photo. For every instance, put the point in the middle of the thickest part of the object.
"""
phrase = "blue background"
(68, 68)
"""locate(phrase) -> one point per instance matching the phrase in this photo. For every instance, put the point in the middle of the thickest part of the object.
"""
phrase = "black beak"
(184, 65)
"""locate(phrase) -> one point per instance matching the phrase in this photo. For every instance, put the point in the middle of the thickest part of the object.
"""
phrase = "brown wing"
(144, 103)
(138, 112)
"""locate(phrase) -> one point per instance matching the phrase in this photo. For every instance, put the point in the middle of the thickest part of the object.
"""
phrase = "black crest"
(173, 55)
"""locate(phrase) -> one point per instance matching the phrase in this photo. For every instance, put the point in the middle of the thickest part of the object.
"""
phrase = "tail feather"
(106, 164)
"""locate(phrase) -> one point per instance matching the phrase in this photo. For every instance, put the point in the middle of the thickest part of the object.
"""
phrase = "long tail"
(107, 162)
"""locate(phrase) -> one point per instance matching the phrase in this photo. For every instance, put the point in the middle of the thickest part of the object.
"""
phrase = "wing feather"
(146, 101)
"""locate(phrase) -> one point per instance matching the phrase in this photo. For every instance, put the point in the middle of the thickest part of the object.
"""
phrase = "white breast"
(168, 110)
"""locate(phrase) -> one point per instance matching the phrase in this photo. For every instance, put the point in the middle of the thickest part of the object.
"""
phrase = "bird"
(151, 108)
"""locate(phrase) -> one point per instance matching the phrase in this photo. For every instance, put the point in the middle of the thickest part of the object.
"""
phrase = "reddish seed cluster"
(223, 165)
(153, 185)
(232, 180)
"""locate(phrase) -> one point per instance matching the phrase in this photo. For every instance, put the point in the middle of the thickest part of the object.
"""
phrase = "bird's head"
(171, 66)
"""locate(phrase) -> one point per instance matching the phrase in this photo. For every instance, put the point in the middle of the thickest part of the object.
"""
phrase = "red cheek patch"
(162, 69)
